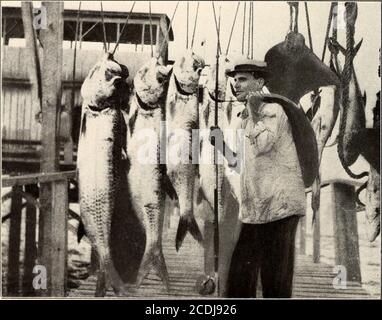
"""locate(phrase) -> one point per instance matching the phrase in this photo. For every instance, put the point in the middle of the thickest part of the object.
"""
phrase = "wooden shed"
(21, 125)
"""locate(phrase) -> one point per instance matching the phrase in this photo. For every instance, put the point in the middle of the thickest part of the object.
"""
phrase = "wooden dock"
(312, 280)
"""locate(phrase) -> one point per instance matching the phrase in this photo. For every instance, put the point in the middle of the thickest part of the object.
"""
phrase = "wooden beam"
(162, 38)
(53, 196)
(302, 240)
(51, 39)
(38, 177)
(316, 238)
(13, 270)
(345, 230)
(34, 65)
(30, 253)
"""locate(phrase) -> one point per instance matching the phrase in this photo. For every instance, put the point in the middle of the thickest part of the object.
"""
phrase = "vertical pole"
(30, 242)
(53, 195)
(316, 238)
(346, 230)
(162, 43)
(302, 248)
(13, 273)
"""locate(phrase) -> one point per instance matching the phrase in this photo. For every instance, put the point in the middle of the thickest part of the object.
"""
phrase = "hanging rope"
(195, 23)
(167, 35)
(123, 28)
(327, 31)
(217, 28)
(151, 31)
(103, 29)
(253, 21)
(242, 40)
(308, 26)
(187, 23)
(233, 26)
(249, 30)
(72, 98)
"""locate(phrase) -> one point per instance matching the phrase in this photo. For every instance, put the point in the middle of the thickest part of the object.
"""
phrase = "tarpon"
(99, 163)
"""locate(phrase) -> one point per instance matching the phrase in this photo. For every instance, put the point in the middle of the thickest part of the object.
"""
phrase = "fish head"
(225, 63)
(187, 70)
(151, 81)
(105, 85)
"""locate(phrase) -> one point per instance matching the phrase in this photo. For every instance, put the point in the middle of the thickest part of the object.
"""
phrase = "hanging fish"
(99, 163)
(147, 176)
(181, 118)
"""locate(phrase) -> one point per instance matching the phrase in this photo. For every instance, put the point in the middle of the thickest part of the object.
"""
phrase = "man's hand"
(215, 133)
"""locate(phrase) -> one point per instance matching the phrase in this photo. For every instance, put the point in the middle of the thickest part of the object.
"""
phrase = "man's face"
(245, 82)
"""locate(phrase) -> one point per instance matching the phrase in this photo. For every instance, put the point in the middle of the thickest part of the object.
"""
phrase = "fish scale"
(99, 163)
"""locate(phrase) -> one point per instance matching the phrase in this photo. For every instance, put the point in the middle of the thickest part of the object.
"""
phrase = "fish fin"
(356, 48)
(153, 259)
(83, 124)
(187, 223)
(200, 197)
(169, 188)
(132, 121)
(229, 112)
(81, 232)
(335, 47)
(333, 68)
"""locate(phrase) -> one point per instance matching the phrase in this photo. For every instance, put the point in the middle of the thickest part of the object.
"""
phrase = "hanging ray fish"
(182, 117)
(102, 138)
(147, 177)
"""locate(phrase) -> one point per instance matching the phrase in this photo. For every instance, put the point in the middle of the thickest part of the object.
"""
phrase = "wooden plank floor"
(184, 267)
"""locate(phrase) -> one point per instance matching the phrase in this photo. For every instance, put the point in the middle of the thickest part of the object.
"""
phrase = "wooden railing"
(345, 229)
(50, 251)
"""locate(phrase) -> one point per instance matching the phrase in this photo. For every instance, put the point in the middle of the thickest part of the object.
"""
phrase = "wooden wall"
(19, 111)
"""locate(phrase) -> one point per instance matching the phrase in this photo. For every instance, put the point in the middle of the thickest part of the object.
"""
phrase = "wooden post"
(162, 38)
(345, 230)
(316, 238)
(302, 248)
(208, 243)
(30, 243)
(53, 196)
(14, 243)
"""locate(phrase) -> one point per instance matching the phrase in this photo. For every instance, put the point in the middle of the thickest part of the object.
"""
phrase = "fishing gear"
(103, 29)
(196, 20)
(151, 31)
(233, 26)
(123, 28)
(167, 33)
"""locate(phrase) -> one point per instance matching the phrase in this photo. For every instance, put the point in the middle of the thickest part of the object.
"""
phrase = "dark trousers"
(266, 248)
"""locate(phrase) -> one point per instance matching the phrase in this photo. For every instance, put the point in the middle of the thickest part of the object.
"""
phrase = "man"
(272, 191)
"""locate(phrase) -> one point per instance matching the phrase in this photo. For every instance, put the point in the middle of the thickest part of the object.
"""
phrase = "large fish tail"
(153, 259)
(187, 223)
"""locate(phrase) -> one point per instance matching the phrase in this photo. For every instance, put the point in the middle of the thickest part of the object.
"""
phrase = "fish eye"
(160, 80)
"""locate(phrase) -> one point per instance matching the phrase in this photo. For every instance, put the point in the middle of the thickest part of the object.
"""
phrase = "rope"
(103, 29)
(253, 19)
(249, 29)
(327, 31)
(233, 26)
(188, 10)
(123, 28)
(242, 40)
(217, 28)
(195, 23)
(167, 35)
(75, 57)
(308, 26)
(151, 31)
